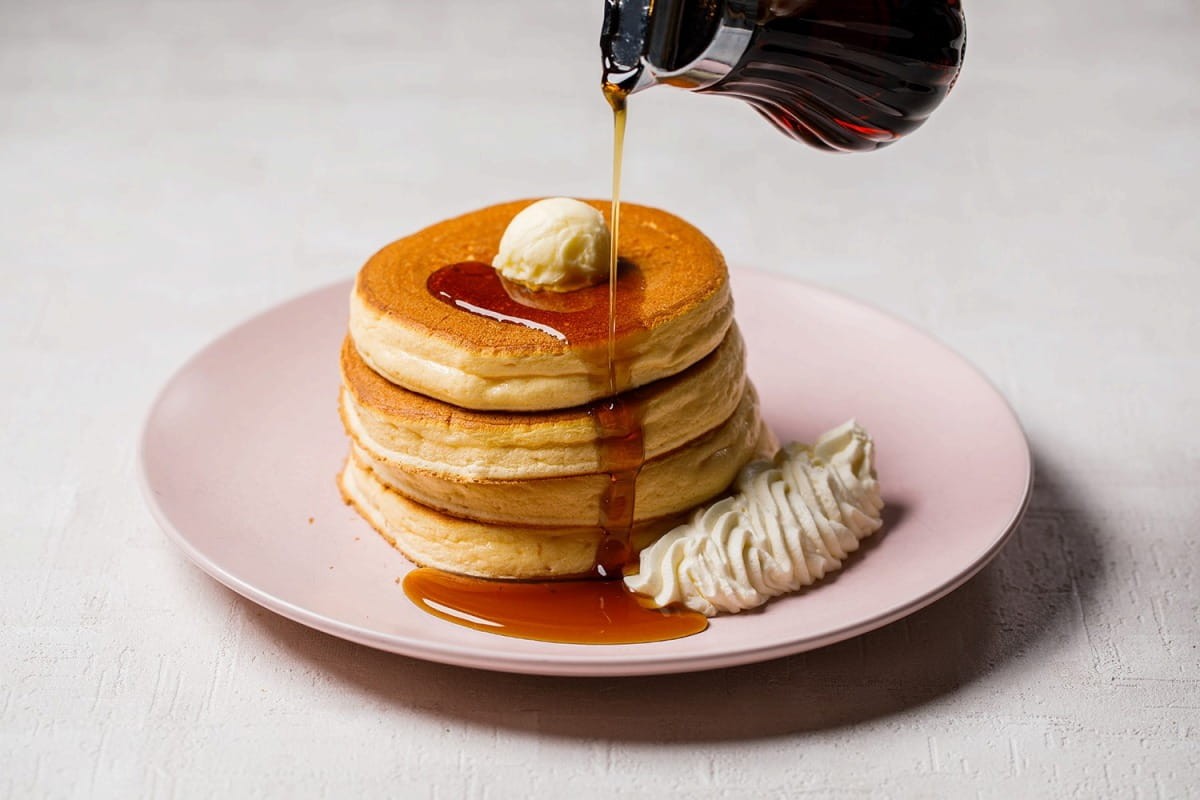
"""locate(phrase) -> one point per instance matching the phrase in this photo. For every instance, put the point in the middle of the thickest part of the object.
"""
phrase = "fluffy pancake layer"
(669, 484)
(430, 538)
(419, 433)
(676, 308)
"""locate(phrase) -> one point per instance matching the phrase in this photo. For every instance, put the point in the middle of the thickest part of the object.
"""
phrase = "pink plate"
(240, 451)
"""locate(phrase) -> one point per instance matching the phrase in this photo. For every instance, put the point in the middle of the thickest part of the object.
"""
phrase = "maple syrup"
(618, 423)
(571, 612)
(616, 98)
(582, 317)
(583, 611)
(618, 420)
(579, 318)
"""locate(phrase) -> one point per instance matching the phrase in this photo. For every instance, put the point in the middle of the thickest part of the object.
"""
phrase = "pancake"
(418, 433)
(670, 484)
(429, 538)
(674, 308)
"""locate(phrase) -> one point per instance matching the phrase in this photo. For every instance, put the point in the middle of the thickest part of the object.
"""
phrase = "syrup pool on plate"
(571, 612)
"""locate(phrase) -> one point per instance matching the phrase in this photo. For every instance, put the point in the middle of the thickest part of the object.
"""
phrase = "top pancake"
(673, 308)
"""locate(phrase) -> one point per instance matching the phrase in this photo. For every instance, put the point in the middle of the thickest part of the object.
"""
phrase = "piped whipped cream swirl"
(794, 519)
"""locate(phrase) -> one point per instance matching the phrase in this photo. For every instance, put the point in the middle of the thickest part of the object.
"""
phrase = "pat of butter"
(557, 244)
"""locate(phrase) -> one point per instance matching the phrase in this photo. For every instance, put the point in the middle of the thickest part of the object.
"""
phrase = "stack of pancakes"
(475, 446)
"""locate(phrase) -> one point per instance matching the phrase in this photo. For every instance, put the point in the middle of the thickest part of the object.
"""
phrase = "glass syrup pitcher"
(841, 75)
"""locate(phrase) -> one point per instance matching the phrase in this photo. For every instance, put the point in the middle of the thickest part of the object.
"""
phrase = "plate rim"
(570, 664)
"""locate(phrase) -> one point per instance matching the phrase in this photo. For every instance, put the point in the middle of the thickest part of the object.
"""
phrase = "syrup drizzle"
(574, 612)
(616, 99)
(622, 453)
(618, 421)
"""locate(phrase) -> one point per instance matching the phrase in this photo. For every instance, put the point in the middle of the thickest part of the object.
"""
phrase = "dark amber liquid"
(849, 75)
(579, 318)
(581, 612)
(616, 99)
(618, 421)
(582, 317)
(622, 453)
(574, 612)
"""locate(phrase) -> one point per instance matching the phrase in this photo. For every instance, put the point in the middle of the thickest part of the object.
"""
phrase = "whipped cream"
(794, 519)
(557, 244)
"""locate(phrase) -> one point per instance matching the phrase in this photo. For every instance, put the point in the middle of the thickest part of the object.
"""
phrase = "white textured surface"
(171, 167)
